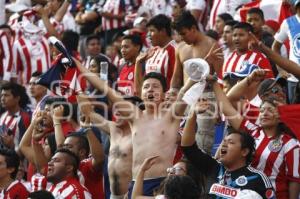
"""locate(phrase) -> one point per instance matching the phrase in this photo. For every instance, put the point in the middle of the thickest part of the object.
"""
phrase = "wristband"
(56, 124)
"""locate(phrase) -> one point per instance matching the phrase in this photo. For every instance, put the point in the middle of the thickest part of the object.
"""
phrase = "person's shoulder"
(262, 178)
(180, 46)
(289, 141)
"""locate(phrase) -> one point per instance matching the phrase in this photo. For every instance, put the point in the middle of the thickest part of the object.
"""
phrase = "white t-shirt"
(282, 35)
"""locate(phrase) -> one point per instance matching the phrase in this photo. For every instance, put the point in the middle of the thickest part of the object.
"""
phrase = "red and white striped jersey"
(16, 189)
(69, 189)
(163, 61)
(6, 56)
(278, 158)
(235, 62)
(39, 182)
(16, 124)
(29, 57)
(115, 7)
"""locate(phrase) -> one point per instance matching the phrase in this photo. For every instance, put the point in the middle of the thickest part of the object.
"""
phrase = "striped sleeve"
(292, 157)
(6, 55)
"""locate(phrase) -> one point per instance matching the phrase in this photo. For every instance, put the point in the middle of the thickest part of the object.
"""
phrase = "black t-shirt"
(243, 178)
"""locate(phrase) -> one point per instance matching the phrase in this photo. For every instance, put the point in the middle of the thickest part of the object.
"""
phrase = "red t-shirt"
(126, 79)
(93, 180)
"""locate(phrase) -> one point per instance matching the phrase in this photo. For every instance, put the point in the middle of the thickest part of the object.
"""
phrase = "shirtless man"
(120, 152)
(154, 130)
(195, 45)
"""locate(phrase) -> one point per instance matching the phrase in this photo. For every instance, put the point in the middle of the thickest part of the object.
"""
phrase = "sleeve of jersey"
(86, 168)
(202, 161)
(17, 62)
(23, 192)
(249, 127)
(171, 53)
(7, 57)
(73, 192)
(282, 34)
(292, 160)
(264, 63)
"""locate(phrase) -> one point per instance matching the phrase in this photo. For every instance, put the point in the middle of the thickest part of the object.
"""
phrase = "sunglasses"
(175, 170)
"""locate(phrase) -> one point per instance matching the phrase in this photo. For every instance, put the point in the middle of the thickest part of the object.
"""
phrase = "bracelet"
(56, 124)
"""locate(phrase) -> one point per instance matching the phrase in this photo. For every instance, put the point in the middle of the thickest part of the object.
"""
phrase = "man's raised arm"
(126, 108)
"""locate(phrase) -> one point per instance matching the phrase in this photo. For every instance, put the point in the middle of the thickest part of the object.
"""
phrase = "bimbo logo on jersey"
(223, 191)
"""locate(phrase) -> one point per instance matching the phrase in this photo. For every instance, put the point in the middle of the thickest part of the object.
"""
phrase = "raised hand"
(258, 75)
(254, 43)
(214, 54)
(41, 11)
(58, 113)
(148, 163)
(143, 56)
(85, 121)
(86, 107)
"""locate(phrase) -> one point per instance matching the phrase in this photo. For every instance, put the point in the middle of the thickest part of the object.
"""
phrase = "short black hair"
(161, 22)
(257, 11)
(159, 77)
(92, 37)
(52, 143)
(212, 34)
(73, 159)
(225, 17)
(247, 142)
(70, 39)
(135, 101)
(231, 23)
(185, 20)
(17, 90)
(243, 25)
(82, 141)
(12, 160)
(181, 187)
(42, 194)
(135, 39)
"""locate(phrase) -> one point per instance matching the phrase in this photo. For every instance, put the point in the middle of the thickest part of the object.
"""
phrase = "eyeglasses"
(175, 170)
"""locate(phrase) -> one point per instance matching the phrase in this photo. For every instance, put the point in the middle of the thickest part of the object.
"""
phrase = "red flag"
(290, 116)
(274, 10)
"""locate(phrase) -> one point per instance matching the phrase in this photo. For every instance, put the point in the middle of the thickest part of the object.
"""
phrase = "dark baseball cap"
(267, 84)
